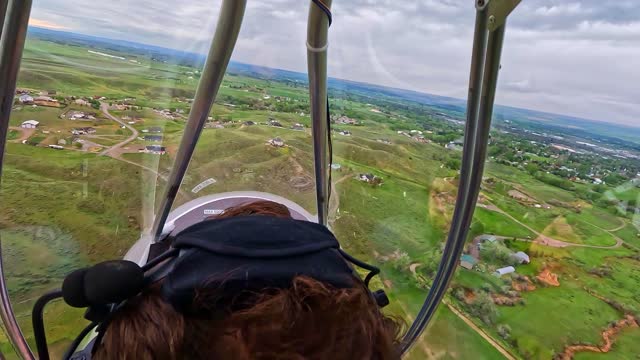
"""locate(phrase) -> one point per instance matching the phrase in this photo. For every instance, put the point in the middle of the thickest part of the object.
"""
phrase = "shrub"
(504, 331)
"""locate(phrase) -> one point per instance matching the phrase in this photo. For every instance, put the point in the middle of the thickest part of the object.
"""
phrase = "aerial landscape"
(551, 268)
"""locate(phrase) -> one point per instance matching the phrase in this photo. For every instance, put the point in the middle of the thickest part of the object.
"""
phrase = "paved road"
(104, 107)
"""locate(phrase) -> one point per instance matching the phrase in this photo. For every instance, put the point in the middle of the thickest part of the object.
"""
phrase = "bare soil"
(549, 278)
(608, 335)
(520, 196)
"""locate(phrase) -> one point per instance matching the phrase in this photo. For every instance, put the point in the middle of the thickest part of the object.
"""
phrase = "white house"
(25, 99)
(504, 271)
(522, 257)
(277, 142)
(30, 124)
(155, 149)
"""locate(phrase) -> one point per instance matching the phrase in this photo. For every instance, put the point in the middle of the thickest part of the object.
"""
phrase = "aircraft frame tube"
(317, 45)
(3, 12)
(479, 104)
(222, 45)
(14, 33)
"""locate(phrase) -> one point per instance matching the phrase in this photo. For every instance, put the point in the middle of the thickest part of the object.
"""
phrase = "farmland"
(71, 207)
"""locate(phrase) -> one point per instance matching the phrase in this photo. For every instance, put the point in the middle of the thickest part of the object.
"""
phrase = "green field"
(67, 208)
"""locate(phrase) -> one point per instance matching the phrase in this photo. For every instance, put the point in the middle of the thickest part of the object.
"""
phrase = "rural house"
(521, 257)
(30, 124)
(277, 142)
(25, 99)
(468, 261)
(154, 138)
(155, 149)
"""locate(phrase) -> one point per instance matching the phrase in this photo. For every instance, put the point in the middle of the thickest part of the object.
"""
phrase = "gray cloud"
(570, 57)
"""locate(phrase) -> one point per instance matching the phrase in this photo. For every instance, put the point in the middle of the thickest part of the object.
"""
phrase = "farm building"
(248, 123)
(298, 127)
(155, 129)
(504, 271)
(345, 120)
(155, 149)
(277, 142)
(83, 131)
(468, 261)
(522, 257)
(275, 123)
(154, 138)
(46, 101)
(345, 133)
(370, 178)
(30, 124)
(25, 99)
(336, 167)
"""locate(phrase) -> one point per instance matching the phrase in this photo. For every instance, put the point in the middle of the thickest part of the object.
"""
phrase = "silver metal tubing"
(483, 80)
(14, 33)
(220, 52)
(3, 12)
(317, 45)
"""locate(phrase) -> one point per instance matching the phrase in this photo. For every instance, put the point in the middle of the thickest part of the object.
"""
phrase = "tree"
(483, 308)
(504, 331)
(453, 164)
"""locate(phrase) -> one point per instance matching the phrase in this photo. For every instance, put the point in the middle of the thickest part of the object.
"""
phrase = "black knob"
(381, 298)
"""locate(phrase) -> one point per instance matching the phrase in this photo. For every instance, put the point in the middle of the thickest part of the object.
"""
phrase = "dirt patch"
(301, 183)
(504, 300)
(608, 335)
(469, 296)
(561, 230)
(413, 267)
(24, 133)
(549, 278)
(388, 284)
(441, 206)
(520, 196)
(523, 284)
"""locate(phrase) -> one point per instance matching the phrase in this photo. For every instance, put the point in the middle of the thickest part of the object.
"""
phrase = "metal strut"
(14, 32)
(317, 45)
(485, 64)
(222, 46)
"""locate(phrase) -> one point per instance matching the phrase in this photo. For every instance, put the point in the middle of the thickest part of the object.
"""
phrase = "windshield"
(551, 266)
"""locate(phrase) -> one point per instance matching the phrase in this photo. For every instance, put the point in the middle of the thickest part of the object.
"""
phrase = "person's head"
(308, 320)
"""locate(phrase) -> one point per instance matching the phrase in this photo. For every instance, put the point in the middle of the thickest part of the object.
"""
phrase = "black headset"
(232, 255)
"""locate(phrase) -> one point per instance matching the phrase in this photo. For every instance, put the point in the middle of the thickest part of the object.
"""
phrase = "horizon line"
(422, 92)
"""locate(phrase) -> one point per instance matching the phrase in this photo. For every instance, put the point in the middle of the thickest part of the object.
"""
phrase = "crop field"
(393, 191)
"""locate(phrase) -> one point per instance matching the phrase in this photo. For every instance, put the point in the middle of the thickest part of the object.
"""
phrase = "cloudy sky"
(564, 56)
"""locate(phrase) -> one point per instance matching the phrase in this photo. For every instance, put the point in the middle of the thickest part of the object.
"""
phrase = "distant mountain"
(455, 107)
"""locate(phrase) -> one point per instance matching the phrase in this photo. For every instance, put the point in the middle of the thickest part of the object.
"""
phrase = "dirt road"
(335, 199)
(24, 133)
(480, 332)
(113, 151)
(546, 240)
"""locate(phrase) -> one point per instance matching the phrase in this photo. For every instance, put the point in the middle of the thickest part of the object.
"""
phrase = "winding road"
(104, 107)
(547, 240)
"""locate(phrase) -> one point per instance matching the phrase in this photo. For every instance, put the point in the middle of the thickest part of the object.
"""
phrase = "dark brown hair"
(309, 320)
